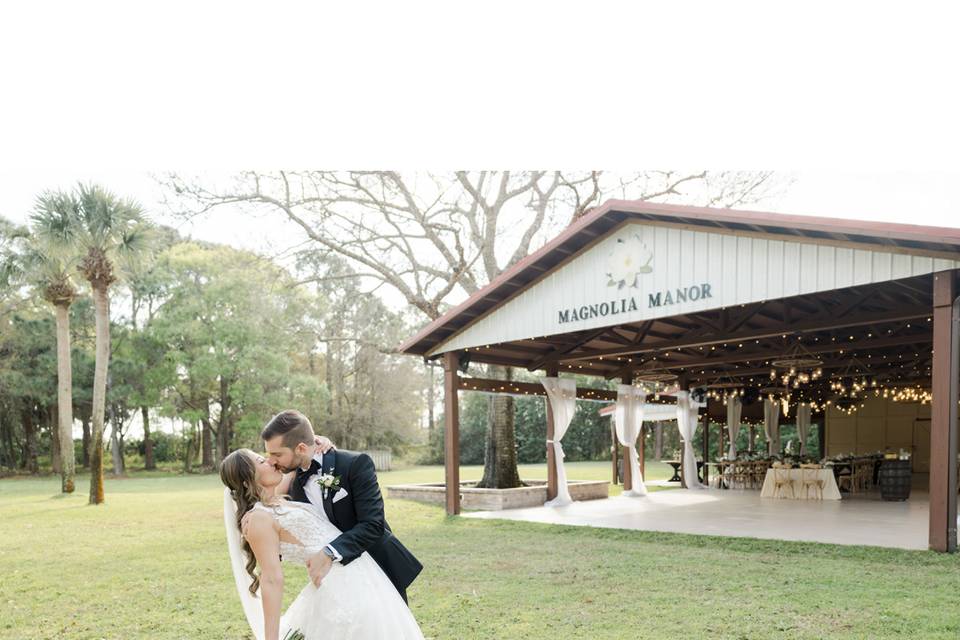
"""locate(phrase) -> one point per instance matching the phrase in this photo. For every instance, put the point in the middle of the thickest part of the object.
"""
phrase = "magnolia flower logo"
(627, 260)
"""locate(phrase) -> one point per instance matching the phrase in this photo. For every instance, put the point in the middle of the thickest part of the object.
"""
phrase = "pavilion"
(701, 297)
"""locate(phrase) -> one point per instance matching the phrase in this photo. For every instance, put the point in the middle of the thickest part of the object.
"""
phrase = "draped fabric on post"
(771, 425)
(562, 396)
(734, 409)
(629, 420)
(687, 423)
(803, 425)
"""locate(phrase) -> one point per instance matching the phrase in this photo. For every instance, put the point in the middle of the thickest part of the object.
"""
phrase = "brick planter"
(533, 495)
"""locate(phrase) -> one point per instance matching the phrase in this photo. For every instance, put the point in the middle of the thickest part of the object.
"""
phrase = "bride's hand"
(323, 443)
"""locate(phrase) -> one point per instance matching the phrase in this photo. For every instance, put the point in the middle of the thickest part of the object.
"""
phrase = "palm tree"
(107, 234)
(48, 264)
(46, 267)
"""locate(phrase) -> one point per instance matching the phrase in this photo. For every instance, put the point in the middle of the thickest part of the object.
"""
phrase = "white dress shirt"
(314, 494)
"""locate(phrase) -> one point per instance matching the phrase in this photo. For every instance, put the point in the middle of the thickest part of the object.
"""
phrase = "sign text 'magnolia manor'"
(626, 305)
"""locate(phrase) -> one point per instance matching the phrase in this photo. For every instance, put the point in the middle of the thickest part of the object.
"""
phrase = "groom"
(342, 487)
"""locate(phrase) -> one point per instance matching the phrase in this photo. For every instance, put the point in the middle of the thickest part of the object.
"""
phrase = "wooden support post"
(943, 418)
(753, 439)
(551, 453)
(451, 444)
(627, 471)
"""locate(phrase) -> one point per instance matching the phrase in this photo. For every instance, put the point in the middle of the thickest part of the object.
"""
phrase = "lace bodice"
(299, 520)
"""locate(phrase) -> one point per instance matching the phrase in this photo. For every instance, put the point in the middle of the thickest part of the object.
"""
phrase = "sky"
(854, 99)
(916, 197)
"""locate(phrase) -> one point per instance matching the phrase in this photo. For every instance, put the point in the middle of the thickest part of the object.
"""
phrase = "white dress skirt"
(356, 601)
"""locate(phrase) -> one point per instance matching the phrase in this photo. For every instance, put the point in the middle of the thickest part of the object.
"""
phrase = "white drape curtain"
(771, 425)
(562, 396)
(628, 420)
(803, 425)
(734, 409)
(687, 423)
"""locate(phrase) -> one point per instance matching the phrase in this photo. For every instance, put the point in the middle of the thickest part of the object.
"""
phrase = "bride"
(356, 601)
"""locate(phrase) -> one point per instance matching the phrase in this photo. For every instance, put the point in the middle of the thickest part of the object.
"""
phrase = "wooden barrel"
(895, 479)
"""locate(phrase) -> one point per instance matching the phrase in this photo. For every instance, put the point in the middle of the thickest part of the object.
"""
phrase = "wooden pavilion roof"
(883, 327)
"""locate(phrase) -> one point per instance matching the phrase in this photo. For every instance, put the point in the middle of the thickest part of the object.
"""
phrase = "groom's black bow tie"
(303, 475)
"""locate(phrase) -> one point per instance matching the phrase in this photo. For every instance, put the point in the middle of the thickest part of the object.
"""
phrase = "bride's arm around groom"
(264, 540)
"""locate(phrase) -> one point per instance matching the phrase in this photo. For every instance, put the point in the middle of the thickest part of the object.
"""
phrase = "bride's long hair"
(238, 474)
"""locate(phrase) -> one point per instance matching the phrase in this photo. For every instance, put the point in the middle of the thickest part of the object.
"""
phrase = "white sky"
(928, 198)
(859, 99)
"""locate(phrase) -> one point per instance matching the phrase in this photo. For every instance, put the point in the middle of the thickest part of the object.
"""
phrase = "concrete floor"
(854, 521)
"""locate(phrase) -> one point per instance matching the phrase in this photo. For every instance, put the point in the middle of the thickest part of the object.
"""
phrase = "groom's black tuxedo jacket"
(359, 515)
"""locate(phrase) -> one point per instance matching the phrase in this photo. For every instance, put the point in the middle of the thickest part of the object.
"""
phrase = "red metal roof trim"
(504, 277)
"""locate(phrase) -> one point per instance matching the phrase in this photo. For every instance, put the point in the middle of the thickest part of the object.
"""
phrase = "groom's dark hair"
(292, 425)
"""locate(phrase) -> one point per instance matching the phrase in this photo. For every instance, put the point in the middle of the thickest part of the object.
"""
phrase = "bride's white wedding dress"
(354, 602)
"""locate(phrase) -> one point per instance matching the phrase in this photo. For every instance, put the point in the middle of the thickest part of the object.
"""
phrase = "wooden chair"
(861, 473)
(741, 474)
(810, 478)
(847, 480)
(781, 479)
(725, 480)
(758, 474)
(866, 478)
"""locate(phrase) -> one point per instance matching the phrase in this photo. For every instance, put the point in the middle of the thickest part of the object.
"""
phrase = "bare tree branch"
(434, 237)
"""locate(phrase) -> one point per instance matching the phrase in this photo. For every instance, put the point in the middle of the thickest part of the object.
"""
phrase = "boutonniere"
(328, 481)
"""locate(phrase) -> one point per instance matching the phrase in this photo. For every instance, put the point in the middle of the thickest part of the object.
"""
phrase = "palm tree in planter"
(48, 262)
(107, 234)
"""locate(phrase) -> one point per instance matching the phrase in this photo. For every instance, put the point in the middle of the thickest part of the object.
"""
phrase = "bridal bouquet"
(294, 634)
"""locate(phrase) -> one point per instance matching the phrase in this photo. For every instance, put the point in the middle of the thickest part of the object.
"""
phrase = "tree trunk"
(224, 436)
(51, 420)
(116, 445)
(85, 420)
(148, 462)
(328, 378)
(102, 314)
(6, 437)
(207, 444)
(658, 442)
(225, 428)
(753, 438)
(30, 450)
(65, 400)
(500, 458)
(188, 457)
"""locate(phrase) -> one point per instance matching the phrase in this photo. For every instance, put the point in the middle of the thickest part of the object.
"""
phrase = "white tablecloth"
(830, 489)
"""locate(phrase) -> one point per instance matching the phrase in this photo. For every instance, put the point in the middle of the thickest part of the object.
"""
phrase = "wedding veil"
(252, 607)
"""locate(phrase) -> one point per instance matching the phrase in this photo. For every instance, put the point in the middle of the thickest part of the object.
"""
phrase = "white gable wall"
(737, 269)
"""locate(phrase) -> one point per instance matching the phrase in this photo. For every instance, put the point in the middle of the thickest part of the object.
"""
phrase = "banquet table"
(830, 489)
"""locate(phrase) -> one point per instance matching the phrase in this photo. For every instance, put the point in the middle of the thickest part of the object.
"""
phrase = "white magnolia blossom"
(629, 258)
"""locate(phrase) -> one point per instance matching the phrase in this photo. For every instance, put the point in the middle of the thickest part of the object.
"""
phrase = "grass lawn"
(152, 563)
(575, 471)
